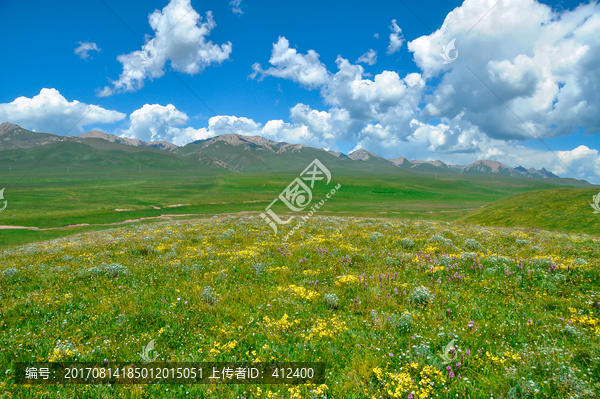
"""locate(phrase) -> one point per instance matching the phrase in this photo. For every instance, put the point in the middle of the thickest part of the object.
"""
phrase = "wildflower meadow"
(395, 309)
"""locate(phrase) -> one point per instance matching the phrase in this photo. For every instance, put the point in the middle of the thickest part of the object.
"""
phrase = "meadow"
(51, 198)
(395, 308)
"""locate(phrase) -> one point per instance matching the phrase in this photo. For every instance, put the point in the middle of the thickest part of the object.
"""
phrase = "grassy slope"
(513, 319)
(104, 176)
(44, 201)
(556, 209)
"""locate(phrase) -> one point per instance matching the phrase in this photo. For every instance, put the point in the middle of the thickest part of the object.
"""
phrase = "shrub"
(405, 322)
(438, 239)
(114, 269)
(498, 260)
(209, 296)
(472, 244)
(258, 268)
(423, 353)
(421, 295)
(529, 389)
(331, 300)
(573, 331)
(227, 234)
(541, 262)
(490, 271)
(222, 275)
(8, 273)
(580, 262)
(470, 256)
(407, 243)
(519, 241)
(375, 235)
(445, 260)
(93, 271)
(567, 379)
(67, 258)
(198, 266)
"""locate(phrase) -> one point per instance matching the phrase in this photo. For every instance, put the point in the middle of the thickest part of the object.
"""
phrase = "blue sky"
(329, 99)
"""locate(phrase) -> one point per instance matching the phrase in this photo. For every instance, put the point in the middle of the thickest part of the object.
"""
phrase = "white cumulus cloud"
(543, 64)
(180, 39)
(155, 122)
(369, 58)
(289, 64)
(51, 112)
(396, 38)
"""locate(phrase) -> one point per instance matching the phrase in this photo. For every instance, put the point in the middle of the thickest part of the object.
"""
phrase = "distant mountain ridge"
(475, 168)
(161, 145)
(250, 141)
(221, 151)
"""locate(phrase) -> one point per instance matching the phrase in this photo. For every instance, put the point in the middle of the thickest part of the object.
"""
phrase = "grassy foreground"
(521, 307)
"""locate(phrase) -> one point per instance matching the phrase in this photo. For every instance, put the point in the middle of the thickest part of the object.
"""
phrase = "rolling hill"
(559, 209)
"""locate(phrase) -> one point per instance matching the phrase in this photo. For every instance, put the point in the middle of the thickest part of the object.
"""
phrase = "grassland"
(49, 197)
(561, 209)
(522, 306)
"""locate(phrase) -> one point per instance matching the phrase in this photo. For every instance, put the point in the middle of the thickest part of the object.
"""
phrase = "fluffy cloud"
(396, 38)
(459, 147)
(235, 6)
(447, 138)
(82, 50)
(289, 64)
(309, 127)
(361, 101)
(370, 100)
(549, 75)
(369, 58)
(50, 112)
(154, 122)
(180, 39)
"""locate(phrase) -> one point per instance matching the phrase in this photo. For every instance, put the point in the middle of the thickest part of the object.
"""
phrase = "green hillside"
(49, 197)
(561, 209)
(96, 182)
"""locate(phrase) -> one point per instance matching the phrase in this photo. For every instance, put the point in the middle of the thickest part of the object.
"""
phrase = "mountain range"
(243, 153)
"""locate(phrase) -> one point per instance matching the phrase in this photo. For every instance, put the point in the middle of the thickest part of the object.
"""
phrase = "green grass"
(89, 193)
(559, 209)
(522, 307)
